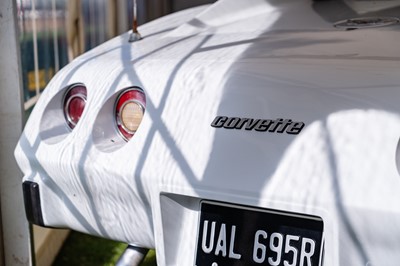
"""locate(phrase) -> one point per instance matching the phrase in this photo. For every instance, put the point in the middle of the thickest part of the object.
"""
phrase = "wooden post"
(16, 239)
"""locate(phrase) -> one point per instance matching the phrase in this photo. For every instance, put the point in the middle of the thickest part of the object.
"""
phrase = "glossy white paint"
(255, 59)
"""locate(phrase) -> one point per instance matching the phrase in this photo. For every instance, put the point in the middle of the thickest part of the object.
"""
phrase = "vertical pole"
(122, 16)
(15, 228)
(55, 36)
(75, 29)
(112, 21)
(135, 35)
(35, 48)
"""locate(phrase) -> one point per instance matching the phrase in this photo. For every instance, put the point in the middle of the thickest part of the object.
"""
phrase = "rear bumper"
(32, 202)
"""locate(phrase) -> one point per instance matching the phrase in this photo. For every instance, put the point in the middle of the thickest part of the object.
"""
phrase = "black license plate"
(230, 235)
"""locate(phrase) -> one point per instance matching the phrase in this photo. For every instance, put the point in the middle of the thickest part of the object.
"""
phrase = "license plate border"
(264, 210)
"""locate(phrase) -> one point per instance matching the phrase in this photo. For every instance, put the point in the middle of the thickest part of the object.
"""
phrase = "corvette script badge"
(278, 125)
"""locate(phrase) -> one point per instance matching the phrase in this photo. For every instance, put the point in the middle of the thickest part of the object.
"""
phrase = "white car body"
(247, 59)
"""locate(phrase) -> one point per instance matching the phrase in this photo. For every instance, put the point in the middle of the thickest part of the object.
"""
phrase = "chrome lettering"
(251, 123)
(231, 122)
(295, 128)
(279, 125)
(219, 121)
(263, 125)
(282, 127)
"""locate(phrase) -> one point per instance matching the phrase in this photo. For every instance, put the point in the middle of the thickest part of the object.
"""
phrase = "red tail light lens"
(129, 111)
(74, 103)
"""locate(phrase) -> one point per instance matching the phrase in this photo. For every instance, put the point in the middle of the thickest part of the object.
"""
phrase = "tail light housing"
(129, 110)
(74, 102)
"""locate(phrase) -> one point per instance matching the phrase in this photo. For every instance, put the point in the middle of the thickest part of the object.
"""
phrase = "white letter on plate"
(232, 254)
(289, 248)
(221, 242)
(204, 242)
(305, 254)
(259, 246)
(276, 248)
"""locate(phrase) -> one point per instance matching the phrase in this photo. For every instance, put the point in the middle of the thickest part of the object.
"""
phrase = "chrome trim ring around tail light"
(76, 94)
(128, 111)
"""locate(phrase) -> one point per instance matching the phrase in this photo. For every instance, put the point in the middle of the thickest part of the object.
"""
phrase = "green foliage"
(85, 250)
(150, 259)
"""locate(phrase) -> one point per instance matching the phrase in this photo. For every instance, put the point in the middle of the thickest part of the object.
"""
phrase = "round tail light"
(129, 111)
(74, 103)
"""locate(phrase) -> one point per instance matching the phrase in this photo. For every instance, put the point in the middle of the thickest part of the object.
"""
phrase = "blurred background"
(52, 33)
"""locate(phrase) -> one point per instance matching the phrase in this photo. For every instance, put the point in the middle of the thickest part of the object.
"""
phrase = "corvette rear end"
(240, 133)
